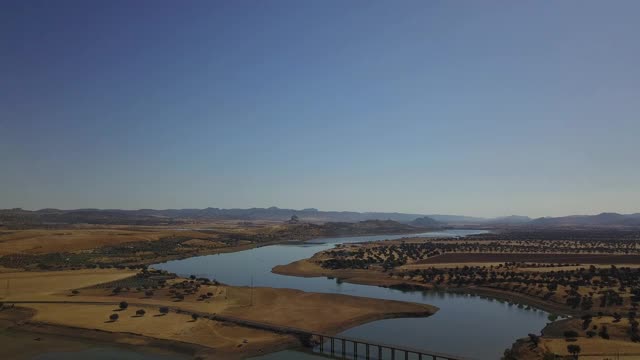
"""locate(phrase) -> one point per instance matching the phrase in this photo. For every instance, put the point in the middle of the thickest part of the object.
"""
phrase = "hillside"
(425, 221)
(603, 219)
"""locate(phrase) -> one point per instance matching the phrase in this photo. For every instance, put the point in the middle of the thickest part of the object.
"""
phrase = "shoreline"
(307, 269)
(226, 326)
(88, 337)
(238, 248)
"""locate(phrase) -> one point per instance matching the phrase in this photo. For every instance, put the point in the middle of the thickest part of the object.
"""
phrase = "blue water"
(466, 325)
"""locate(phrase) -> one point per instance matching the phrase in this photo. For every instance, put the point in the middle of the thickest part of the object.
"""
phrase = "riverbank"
(25, 340)
(300, 239)
(56, 310)
(459, 316)
(308, 268)
(78, 246)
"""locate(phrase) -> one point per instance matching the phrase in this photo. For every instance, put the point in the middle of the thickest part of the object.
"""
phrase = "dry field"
(554, 340)
(51, 241)
(223, 337)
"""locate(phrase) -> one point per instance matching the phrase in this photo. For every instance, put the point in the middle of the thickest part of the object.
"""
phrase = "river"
(466, 325)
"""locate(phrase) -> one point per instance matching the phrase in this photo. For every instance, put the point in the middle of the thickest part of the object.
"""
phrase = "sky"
(462, 107)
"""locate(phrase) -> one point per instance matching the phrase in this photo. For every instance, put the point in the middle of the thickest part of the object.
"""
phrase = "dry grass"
(28, 285)
(312, 311)
(172, 326)
(595, 348)
(49, 241)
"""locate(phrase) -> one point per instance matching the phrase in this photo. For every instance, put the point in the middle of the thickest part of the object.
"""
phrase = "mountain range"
(177, 216)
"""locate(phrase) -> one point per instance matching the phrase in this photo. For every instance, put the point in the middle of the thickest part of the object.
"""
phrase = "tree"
(123, 305)
(535, 339)
(164, 310)
(114, 317)
(140, 312)
(75, 292)
(195, 317)
(574, 350)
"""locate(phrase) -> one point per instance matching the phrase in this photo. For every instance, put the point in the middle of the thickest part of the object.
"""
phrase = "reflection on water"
(466, 325)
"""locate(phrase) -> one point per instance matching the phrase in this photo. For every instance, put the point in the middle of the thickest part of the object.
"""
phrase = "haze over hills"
(177, 216)
(602, 219)
(149, 216)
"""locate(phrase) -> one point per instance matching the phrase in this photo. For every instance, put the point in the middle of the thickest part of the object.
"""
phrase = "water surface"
(466, 325)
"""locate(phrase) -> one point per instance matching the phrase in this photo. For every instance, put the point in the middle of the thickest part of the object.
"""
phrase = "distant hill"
(457, 219)
(54, 217)
(425, 221)
(178, 216)
(602, 219)
(508, 220)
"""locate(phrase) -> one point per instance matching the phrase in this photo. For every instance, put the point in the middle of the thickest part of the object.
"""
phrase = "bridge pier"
(332, 348)
(308, 340)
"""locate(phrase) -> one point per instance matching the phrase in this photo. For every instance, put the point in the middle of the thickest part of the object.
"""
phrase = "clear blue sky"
(467, 107)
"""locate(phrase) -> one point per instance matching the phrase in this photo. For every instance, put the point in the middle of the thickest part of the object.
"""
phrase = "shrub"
(570, 334)
(123, 305)
(574, 350)
(164, 310)
(140, 312)
(114, 317)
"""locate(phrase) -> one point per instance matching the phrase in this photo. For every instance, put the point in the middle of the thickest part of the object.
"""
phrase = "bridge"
(335, 346)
